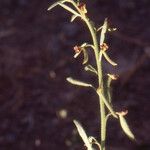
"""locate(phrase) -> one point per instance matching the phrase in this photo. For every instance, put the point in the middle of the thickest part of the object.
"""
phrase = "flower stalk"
(99, 47)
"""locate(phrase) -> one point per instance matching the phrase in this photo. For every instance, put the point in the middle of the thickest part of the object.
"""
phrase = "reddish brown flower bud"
(122, 113)
(113, 76)
(104, 47)
(82, 7)
(77, 49)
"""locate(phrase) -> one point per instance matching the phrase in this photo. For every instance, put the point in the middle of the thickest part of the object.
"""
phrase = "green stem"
(103, 124)
(100, 82)
(100, 77)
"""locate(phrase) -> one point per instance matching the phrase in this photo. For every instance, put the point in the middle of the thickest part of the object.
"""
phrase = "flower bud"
(113, 76)
(82, 7)
(104, 47)
(77, 49)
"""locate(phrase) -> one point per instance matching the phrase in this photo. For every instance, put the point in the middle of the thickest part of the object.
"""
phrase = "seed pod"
(77, 82)
(83, 135)
(124, 125)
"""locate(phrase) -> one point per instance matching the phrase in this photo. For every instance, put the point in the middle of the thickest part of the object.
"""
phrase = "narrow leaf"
(52, 6)
(94, 141)
(125, 127)
(99, 28)
(106, 103)
(68, 8)
(83, 135)
(77, 82)
(109, 60)
(103, 31)
(84, 45)
(90, 68)
(76, 55)
(109, 80)
(86, 57)
(107, 117)
(109, 89)
(55, 4)
(73, 17)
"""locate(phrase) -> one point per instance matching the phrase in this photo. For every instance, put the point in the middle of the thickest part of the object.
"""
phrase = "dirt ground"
(37, 105)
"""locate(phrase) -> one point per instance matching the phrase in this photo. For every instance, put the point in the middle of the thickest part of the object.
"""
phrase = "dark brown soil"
(37, 105)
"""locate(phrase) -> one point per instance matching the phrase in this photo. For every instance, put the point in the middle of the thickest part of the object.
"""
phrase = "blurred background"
(37, 105)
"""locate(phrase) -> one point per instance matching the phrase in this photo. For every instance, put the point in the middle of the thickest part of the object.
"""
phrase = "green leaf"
(90, 68)
(73, 18)
(94, 141)
(83, 135)
(55, 4)
(84, 45)
(103, 31)
(64, 6)
(109, 80)
(99, 28)
(125, 127)
(86, 57)
(107, 117)
(76, 55)
(52, 6)
(106, 103)
(68, 8)
(109, 60)
(77, 82)
(109, 89)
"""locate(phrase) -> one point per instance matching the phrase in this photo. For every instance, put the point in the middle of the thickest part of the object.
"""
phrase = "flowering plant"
(99, 48)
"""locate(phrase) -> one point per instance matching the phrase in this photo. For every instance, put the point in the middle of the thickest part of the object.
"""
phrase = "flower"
(113, 76)
(122, 113)
(77, 49)
(82, 7)
(104, 47)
